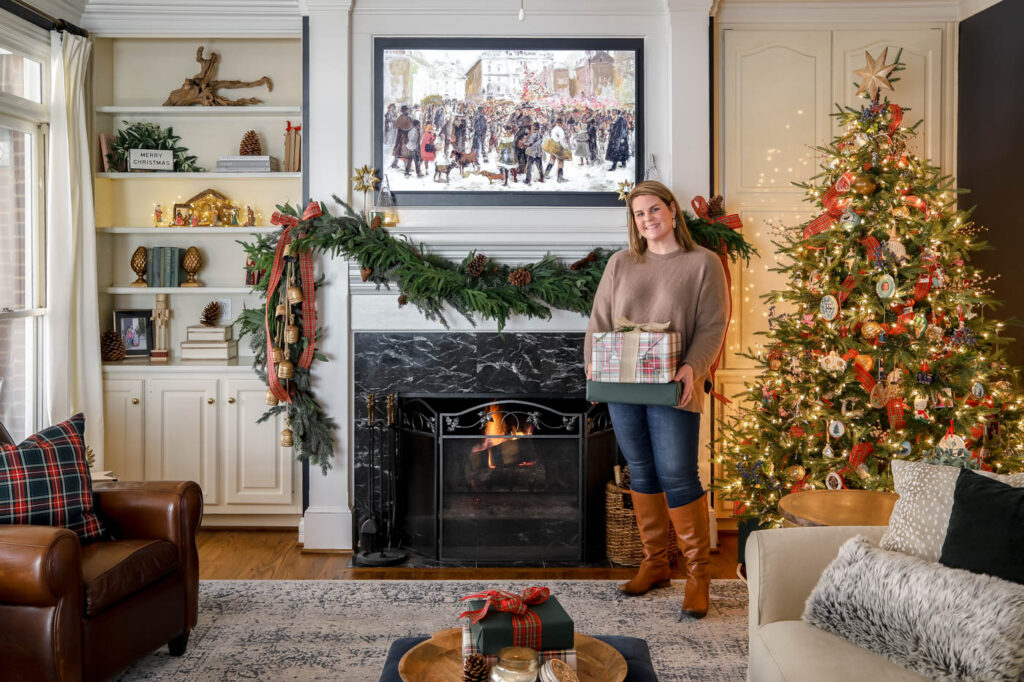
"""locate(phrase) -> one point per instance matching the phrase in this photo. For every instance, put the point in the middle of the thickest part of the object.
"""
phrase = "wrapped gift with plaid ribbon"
(532, 619)
(636, 353)
(468, 649)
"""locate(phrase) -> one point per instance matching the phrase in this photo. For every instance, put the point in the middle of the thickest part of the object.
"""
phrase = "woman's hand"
(590, 371)
(685, 375)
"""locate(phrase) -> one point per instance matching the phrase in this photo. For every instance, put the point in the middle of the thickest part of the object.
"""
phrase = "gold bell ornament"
(281, 310)
(286, 435)
(285, 370)
(291, 334)
(271, 398)
(277, 354)
(294, 293)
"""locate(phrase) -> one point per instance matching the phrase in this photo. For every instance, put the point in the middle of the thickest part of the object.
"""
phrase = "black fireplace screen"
(503, 480)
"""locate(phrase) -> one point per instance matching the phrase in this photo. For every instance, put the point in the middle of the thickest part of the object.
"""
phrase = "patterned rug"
(340, 630)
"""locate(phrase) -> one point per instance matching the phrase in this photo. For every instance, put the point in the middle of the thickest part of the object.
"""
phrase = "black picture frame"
(551, 194)
(135, 327)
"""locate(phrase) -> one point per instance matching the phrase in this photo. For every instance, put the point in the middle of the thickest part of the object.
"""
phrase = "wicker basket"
(622, 538)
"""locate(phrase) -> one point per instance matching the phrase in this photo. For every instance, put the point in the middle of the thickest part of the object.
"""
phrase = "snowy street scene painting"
(509, 119)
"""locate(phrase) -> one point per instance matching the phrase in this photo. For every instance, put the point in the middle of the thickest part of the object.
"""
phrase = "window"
(22, 289)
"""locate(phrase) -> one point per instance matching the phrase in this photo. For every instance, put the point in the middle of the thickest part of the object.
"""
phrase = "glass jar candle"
(516, 664)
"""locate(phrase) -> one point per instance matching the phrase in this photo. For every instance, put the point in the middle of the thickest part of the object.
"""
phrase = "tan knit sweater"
(684, 288)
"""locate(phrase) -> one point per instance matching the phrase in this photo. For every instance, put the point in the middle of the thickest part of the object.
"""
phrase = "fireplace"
(499, 458)
(499, 479)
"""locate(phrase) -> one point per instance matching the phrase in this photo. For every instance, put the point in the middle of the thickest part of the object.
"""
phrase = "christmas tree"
(885, 349)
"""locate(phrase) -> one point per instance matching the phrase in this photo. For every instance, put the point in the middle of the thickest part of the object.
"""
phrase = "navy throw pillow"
(44, 481)
(986, 528)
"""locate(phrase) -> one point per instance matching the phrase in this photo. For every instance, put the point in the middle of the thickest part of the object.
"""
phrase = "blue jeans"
(660, 444)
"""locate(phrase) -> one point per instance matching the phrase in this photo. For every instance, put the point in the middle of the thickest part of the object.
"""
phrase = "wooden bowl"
(439, 659)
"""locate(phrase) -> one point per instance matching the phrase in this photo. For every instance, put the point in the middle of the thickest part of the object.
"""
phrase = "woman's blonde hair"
(653, 188)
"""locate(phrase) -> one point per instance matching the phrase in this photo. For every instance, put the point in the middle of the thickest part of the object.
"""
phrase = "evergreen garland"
(475, 287)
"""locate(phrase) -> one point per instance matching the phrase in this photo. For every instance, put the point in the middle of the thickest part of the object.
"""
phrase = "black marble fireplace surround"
(453, 371)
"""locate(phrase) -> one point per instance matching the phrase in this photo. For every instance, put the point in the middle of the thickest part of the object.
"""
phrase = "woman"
(665, 277)
(427, 148)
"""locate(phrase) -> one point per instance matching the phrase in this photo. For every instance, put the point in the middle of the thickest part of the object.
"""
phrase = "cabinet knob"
(135, 401)
(209, 401)
(231, 401)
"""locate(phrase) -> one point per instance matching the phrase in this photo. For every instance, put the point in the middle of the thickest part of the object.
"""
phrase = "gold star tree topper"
(364, 179)
(624, 189)
(875, 74)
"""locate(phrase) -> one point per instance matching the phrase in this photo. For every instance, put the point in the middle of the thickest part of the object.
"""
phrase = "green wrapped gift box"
(635, 394)
(494, 632)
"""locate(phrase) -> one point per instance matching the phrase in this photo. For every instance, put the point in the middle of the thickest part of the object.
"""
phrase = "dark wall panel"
(990, 147)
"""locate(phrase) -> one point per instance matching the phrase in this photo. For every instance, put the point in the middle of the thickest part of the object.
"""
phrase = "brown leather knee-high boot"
(691, 522)
(652, 520)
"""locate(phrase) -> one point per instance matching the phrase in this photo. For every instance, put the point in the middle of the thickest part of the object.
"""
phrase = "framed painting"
(136, 330)
(508, 121)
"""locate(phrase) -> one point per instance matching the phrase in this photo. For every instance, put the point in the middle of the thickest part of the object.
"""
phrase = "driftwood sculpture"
(202, 89)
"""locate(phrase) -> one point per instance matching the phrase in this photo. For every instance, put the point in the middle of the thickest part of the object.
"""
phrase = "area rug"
(340, 630)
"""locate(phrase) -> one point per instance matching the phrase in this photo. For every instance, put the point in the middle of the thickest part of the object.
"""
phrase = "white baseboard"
(327, 528)
(251, 521)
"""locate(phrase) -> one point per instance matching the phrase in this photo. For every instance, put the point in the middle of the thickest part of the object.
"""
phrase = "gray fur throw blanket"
(945, 623)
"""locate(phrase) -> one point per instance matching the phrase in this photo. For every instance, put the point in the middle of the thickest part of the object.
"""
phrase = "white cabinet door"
(123, 416)
(181, 432)
(258, 470)
(920, 85)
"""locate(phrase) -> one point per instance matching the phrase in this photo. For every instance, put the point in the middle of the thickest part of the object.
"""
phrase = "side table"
(837, 508)
(639, 666)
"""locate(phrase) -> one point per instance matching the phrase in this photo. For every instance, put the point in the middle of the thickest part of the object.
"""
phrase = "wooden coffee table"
(837, 508)
(439, 659)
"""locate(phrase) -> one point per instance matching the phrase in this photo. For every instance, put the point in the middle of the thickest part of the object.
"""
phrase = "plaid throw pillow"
(44, 481)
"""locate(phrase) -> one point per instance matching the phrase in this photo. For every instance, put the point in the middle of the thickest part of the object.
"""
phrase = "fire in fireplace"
(503, 479)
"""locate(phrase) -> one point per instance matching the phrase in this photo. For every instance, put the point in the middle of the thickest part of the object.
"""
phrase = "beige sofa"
(783, 566)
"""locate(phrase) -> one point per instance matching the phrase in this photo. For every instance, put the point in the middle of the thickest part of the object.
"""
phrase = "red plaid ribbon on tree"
(848, 285)
(859, 454)
(526, 625)
(895, 117)
(918, 203)
(291, 226)
(894, 407)
(732, 221)
(874, 248)
(864, 377)
(834, 205)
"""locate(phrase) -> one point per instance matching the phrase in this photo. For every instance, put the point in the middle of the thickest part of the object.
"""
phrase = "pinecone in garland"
(402, 299)
(250, 145)
(477, 265)
(475, 669)
(211, 314)
(716, 207)
(520, 277)
(583, 262)
(366, 273)
(111, 346)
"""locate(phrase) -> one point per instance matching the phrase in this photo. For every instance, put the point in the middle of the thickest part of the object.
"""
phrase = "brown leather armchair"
(69, 612)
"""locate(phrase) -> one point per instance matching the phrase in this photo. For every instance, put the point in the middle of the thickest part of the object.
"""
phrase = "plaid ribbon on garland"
(526, 625)
(290, 224)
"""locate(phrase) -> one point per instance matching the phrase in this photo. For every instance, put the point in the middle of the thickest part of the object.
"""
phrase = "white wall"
(341, 132)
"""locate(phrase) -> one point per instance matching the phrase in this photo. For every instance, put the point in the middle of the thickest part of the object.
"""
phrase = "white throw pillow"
(921, 516)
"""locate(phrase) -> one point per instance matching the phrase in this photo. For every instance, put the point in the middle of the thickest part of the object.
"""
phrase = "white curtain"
(74, 374)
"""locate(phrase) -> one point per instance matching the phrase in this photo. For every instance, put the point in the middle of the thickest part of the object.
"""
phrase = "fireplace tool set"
(378, 533)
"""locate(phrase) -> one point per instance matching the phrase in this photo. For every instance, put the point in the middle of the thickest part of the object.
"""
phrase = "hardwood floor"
(275, 555)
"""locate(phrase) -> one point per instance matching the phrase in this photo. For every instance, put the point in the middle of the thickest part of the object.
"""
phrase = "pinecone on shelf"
(477, 265)
(250, 145)
(475, 669)
(402, 299)
(520, 277)
(111, 346)
(376, 222)
(366, 273)
(211, 314)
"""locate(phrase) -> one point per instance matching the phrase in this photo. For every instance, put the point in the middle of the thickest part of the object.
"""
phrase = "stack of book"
(247, 164)
(208, 343)
(164, 266)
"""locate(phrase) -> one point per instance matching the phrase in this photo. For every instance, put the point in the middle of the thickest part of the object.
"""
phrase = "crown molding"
(68, 10)
(969, 8)
(846, 11)
(161, 19)
(307, 7)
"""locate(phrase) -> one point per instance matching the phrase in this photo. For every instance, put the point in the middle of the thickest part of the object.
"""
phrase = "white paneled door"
(123, 415)
(259, 470)
(181, 432)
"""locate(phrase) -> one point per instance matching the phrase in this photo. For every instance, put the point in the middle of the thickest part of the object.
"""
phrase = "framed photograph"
(508, 121)
(136, 330)
(182, 215)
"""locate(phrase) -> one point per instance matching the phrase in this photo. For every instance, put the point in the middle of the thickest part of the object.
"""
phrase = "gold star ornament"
(625, 188)
(875, 74)
(364, 179)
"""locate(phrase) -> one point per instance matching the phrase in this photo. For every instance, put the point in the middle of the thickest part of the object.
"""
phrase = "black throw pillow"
(986, 528)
